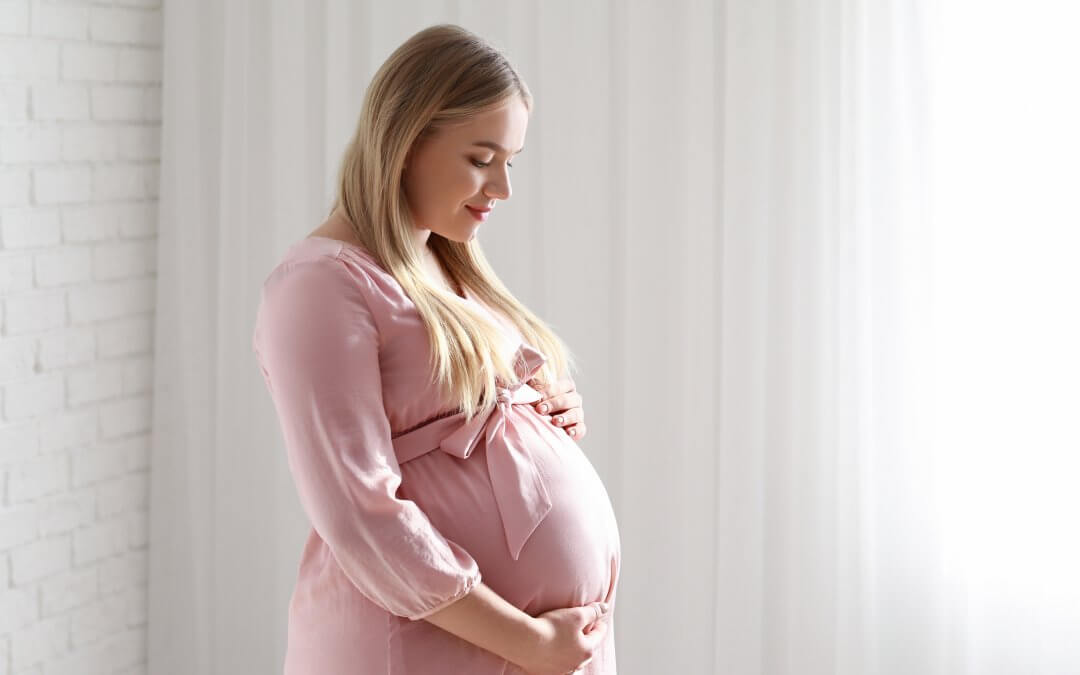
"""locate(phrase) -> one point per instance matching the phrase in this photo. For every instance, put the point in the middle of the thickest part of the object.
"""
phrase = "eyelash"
(484, 164)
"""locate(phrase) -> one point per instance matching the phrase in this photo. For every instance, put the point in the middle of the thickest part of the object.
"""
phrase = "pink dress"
(410, 507)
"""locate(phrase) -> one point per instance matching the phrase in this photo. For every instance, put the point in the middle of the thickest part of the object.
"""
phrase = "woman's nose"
(499, 189)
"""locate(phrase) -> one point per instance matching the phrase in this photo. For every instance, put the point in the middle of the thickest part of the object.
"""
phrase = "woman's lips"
(479, 215)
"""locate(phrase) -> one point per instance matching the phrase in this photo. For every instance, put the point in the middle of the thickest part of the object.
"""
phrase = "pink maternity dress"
(410, 506)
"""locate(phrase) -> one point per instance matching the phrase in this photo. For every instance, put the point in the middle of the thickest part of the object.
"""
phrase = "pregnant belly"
(571, 559)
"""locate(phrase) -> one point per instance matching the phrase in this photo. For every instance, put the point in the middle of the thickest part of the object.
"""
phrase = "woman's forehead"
(500, 131)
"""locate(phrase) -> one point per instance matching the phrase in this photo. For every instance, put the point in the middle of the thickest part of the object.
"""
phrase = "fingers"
(559, 402)
(598, 625)
(563, 402)
(568, 417)
(560, 386)
(592, 612)
(601, 610)
(576, 431)
(572, 421)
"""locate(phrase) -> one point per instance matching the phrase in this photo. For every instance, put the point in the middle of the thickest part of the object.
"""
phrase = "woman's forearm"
(487, 620)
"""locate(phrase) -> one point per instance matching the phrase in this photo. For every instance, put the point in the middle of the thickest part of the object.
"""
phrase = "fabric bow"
(520, 492)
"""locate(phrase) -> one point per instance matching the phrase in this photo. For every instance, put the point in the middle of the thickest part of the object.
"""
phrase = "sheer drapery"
(750, 222)
(1006, 227)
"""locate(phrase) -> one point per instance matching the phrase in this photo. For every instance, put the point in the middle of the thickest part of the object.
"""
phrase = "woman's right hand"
(564, 646)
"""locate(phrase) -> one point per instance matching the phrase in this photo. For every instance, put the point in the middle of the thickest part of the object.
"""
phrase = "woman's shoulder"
(315, 247)
(320, 265)
(319, 261)
(316, 296)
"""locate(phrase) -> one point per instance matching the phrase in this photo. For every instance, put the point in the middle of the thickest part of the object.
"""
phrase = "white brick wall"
(80, 97)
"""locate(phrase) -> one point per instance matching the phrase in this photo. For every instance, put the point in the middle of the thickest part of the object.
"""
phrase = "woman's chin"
(464, 237)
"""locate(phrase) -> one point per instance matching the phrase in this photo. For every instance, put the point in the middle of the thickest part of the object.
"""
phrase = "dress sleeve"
(317, 345)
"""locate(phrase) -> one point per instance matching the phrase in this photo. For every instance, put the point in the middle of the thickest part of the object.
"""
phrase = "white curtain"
(1006, 180)
(750, 220)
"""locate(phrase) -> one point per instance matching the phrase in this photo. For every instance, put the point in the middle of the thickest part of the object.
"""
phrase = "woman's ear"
(411, 153)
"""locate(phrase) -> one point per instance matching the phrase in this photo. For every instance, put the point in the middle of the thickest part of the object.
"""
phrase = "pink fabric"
(410, 506)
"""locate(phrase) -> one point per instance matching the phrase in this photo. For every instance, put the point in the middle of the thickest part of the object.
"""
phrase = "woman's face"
(452, 170)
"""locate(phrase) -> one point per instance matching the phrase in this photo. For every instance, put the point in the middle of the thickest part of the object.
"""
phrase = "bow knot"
(504, 397)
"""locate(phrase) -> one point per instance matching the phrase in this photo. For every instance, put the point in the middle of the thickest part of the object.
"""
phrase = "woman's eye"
(481, 165)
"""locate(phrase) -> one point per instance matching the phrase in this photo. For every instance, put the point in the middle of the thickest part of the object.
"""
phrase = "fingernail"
(558, 419)
(543, 408)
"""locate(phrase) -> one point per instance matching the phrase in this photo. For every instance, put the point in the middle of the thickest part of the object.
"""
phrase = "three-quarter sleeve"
(318, 346)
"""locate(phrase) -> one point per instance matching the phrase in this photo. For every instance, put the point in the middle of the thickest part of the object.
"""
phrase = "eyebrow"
(495, 146)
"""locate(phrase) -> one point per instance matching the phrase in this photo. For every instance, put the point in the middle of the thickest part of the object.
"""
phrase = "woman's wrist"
(487, 620)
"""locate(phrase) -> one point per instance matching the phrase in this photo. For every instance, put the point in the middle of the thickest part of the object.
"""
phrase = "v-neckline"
(464, 291)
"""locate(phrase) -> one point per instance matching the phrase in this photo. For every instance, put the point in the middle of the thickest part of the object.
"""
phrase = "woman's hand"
(568, 639)
(564, 403)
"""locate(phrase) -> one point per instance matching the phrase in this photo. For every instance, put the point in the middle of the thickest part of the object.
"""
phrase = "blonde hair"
(440, 76)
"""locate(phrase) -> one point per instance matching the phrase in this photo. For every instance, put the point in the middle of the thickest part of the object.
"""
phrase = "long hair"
(440, 76)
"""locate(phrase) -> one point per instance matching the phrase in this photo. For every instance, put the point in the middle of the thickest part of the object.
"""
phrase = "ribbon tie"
(520, 493)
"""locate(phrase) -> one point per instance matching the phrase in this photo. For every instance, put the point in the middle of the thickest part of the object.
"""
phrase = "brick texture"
(80, 127)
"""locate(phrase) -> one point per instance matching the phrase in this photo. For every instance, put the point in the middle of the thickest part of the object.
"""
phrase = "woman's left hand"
(563, 402)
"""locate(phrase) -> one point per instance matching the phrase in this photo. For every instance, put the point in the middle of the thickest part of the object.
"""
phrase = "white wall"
(80, 100)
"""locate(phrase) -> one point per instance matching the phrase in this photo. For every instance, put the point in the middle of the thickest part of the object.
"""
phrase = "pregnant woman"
(430, 424)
